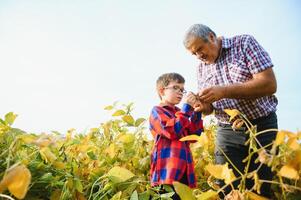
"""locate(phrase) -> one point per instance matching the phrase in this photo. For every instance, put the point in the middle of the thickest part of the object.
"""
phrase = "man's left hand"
(212, 94)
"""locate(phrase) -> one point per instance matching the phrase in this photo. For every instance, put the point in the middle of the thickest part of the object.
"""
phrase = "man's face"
(206, 51)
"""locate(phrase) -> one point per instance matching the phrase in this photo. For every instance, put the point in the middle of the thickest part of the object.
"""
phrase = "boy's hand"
(198, 106)
(190, 99)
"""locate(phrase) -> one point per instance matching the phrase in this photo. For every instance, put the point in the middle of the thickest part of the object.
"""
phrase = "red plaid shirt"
(170, 158)
(240, 58)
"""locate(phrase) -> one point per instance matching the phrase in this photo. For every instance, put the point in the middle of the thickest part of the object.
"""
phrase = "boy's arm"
(196, 123)
(172, 128)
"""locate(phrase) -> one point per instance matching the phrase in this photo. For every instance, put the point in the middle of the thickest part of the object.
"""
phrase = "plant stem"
(286, 185)
(6, 196)
(230, 161)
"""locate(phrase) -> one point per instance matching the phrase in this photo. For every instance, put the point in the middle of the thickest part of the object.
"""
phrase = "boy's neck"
(163, 103)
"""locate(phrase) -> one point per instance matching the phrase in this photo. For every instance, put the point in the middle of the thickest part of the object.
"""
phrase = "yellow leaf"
(183, 191)
(59, 164)
(288, 172)
(118, 113)
(221, 172)
(127, 138)
(253, 196)
(80, 196)
(299, 135)
(47, 155)
(106, 129)
(42, 142)
(27, 138)
(280, 138)
(293, 143)
(296, 160)
(232, 113)
(69, 183)
(117, 196)
(118, 174)
(69, 134)
(17, 181)
(108, 107)
(10, 118)
(208, 195)
(55, 195)
(111, 150)
(290, 134)
(190, 138)
(215, 170)
(128, 119)
(139, 121)
(203, 140)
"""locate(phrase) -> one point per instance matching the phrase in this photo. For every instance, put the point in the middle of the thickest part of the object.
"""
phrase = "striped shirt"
(240, 58)
(171, 158)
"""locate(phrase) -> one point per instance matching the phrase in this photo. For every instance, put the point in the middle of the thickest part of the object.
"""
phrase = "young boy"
(171, 159)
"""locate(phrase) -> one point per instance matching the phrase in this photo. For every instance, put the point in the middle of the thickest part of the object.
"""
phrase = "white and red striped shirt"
(240, 58)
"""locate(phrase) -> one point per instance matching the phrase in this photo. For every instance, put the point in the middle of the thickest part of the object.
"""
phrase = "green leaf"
(128, 119)
(167, 195)
(92, 155)
(168, 188)
(118, 113)
(118, 174)
(46, 177)
(134, 196)
(2, 122)
(10, 118)
(183, 191)
(129, 107)
(78, 185)
(139, 121)
(144, 195)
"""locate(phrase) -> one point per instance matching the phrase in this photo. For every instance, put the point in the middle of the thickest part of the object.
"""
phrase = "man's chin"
(208, 62)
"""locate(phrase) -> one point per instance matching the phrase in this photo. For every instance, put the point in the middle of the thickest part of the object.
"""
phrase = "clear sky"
(62, 61)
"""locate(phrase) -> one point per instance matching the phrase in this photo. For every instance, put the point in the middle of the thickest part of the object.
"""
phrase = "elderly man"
(235, 73)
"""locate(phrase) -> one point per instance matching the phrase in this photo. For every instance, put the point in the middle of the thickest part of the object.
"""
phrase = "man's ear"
(211, 37)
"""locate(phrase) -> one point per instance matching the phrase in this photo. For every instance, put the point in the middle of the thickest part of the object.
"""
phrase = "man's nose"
(200, 56)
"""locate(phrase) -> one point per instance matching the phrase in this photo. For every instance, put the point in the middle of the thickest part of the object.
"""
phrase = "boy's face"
(173, 93)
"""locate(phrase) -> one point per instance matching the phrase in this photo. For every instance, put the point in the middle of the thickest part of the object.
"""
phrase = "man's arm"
(262, 84)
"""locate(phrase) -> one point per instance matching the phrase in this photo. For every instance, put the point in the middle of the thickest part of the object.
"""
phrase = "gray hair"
(197, 31)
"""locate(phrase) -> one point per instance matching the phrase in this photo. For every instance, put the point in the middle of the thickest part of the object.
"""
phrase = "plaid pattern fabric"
(240, 58)
(170, 158)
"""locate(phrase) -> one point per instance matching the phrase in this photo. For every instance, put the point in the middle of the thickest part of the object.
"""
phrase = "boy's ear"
(161, 91)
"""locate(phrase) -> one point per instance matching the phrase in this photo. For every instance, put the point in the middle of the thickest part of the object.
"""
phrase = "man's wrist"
(226, 92)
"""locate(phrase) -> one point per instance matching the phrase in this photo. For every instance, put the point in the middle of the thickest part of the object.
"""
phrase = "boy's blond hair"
(165, 79)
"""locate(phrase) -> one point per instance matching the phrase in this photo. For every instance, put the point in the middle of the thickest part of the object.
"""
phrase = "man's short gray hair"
(197, 31)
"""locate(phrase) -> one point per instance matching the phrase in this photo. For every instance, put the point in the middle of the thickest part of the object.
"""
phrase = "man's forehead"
(194, 42)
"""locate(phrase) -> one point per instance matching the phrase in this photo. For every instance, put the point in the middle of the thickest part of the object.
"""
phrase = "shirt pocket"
(207, 81)
(239, 72)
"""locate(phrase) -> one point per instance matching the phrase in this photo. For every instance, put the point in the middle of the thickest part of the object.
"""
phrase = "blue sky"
(63, 61)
